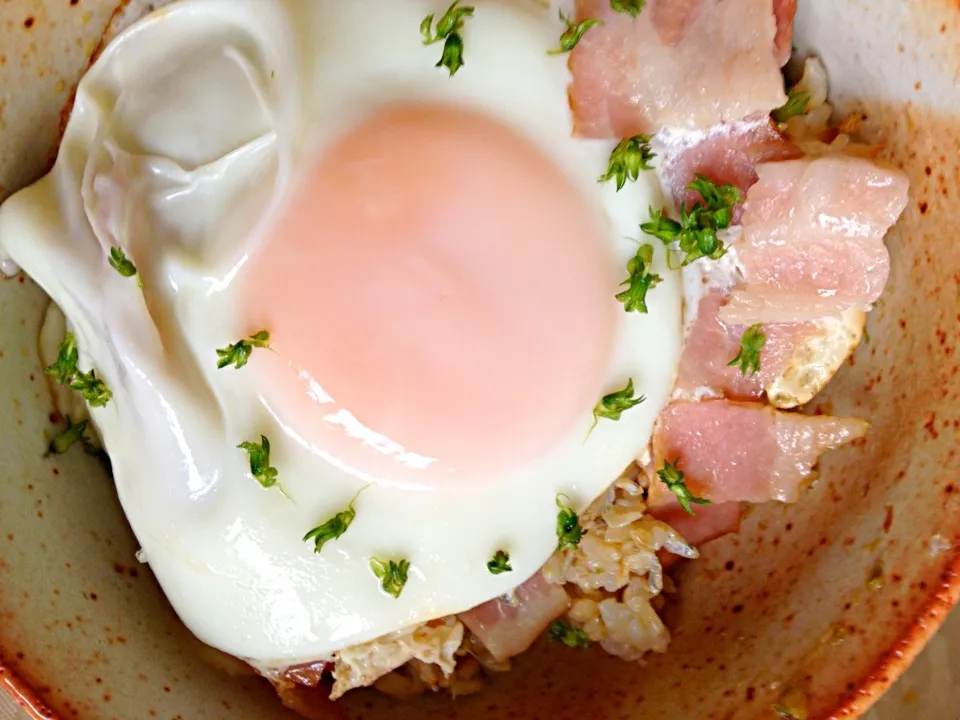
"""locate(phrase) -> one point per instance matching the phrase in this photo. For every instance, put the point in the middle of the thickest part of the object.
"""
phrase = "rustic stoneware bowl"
(784, 613)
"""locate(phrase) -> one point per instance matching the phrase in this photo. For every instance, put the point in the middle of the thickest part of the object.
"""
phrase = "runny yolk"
(448, 288)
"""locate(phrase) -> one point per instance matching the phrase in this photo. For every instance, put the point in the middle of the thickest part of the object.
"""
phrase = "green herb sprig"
(751, 343)
(93, 389)
(500, 563)
(630, 7)
(335, 527)
(65, 439)
(65, 372)
(64, 367)
(628, 158)
(392, 575)
(572, 637)
(569, 530)
(796, 105)
(639, 280)
(448, 29)
(260, 466)
(123, 265)
(612, 406)
(674, 480)
(696, 232)
(574, 32)
(239, 353)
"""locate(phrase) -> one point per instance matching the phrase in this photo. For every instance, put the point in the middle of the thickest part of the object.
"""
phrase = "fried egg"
(436, 264)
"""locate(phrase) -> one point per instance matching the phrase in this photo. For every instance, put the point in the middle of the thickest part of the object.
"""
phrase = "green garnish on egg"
(500, 563)
(569, 530)
(674, 480)
(392, 575)
(613, 405)
(123, 265)
(239, 353)
(93, 389)
(628, 158)
(66, 372)
(334, 527)
(639, 280)
(331, 529)
(448, 29)
(575, 30)
(65, 365)
(260, 466)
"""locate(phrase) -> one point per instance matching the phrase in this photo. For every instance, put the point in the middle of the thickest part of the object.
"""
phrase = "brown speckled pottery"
(780, 613)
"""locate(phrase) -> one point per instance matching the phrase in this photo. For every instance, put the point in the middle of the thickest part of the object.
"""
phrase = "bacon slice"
(744, 451)
(726, 154)
(308, 674)
(711, 345)
(785, 11)
(796, 362)
(681, 63)
(709, 523)
(671, 19)
(507, 627)
(813, 238)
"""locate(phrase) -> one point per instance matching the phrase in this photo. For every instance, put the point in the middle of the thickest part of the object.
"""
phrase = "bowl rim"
(901, 654)
(23, 694)
(889, 667)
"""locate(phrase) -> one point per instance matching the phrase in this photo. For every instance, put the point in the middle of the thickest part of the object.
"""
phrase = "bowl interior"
(782, 610)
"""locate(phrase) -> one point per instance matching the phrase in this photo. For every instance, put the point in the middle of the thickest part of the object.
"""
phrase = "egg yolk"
(444, 293)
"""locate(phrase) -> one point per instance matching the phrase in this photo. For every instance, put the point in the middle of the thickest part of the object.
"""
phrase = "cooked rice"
(816, 121)
(614, 578)
(417, 677)
(434, 643)
(817, 132)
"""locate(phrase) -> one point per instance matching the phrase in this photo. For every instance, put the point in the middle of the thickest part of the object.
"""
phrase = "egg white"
(186, 135)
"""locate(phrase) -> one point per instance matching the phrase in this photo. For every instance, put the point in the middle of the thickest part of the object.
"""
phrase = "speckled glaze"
(780, 614)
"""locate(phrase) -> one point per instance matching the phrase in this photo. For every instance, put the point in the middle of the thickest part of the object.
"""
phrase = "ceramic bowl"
(781, 613)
